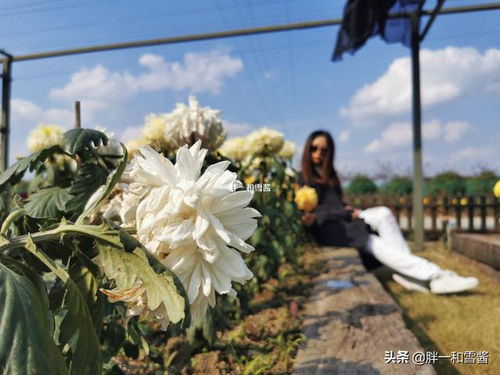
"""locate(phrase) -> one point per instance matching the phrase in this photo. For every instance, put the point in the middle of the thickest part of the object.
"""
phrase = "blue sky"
(285, 80)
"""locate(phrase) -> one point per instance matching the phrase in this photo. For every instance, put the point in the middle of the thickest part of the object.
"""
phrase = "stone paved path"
(351, 322)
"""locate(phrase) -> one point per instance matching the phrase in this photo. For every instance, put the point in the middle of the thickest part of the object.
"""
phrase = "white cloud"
(344, 136)
(432, 129)
(25, 110)
(455, 130)
(400, 134)
(446, 74)
(471, 154)
(374, 146)
(131, 133)
(396, 134)
(198, 72)
(235, 129)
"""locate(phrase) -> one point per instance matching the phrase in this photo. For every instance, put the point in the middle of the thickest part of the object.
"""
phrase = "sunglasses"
(323, 150)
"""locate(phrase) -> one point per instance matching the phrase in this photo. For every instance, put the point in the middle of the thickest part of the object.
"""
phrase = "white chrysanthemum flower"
(111, 205)
(187, 124)
(136, 301)
(45, 136)
(234, 148)
(265, 140)
(288, 150)
(194, 223)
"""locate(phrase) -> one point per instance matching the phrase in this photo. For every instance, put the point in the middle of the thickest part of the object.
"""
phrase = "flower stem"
(12, 216)
(54, 234)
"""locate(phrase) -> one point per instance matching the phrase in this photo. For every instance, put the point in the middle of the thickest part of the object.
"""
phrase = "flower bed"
(132, 259)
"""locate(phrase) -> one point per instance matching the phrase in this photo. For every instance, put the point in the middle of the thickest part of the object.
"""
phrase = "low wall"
(482, 247)
(352, 325)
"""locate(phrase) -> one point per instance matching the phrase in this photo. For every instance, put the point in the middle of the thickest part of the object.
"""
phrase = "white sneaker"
(449, 282)
(409, 284)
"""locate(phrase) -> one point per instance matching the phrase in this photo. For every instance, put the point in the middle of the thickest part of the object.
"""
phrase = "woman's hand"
(355, 213)
(308, 218)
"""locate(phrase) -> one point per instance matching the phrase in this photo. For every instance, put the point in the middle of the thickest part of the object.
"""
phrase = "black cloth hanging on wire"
(366, 18)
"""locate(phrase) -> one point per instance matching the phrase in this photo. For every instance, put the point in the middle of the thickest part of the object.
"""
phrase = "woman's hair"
(328, 172)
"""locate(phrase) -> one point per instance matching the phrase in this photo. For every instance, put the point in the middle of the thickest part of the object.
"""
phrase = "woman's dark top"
(334, 225)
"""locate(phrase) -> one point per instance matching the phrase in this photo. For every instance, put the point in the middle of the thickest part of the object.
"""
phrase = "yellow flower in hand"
(496, 189)
(306, 198)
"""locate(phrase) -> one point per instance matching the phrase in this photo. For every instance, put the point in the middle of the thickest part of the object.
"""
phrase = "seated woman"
(333, 223)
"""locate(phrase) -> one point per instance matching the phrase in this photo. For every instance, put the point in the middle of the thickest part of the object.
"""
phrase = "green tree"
(361, 184)
(482, 183)
(447, 183)
(398, 185)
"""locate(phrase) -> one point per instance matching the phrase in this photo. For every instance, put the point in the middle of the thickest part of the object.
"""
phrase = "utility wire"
(231, 33)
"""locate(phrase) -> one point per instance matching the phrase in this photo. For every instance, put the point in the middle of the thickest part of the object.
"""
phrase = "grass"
(468, 321)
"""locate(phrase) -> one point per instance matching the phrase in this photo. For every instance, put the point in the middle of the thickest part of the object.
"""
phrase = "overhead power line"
(234, 33)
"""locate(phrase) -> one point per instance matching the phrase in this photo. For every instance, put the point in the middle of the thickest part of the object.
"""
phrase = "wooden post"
(458, 211)
(496, 214)
(433, 208)
(78, 118)
(397, 208)
(470, 212)
(483, 212)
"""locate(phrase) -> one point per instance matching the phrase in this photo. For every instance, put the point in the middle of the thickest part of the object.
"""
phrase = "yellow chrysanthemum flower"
(249, 180)
(45, 136)
(62, 161)
(306, 198)
(288, 150)
(234, 148)
(463, 201)
(265, 140)
(496, 189)
(154, 132)
(133, 146)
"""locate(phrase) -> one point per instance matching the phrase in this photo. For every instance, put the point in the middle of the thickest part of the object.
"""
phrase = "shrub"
(447, 183)
(482, 183)
(398, 185)
(361, 184)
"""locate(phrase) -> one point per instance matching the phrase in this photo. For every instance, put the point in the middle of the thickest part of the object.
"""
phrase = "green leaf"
(126, 267)
(112, 181)
(48, 202)
(76, 327)
(89, 178)
(83, 272)
(130, 244)
(15, 173)
(79, 140)
(24, 270)
(26, 345)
